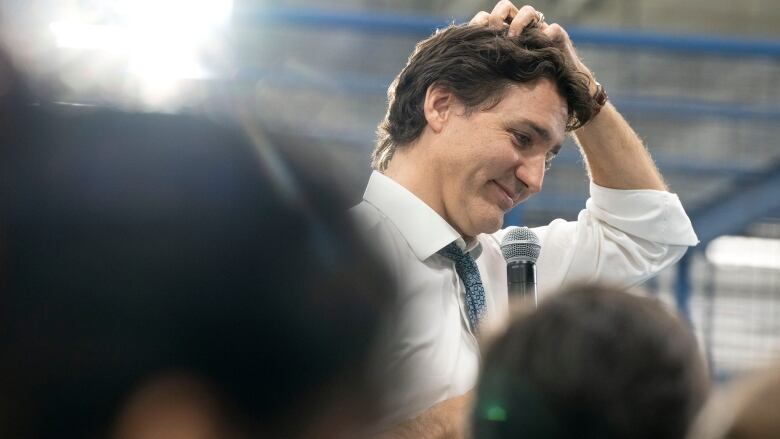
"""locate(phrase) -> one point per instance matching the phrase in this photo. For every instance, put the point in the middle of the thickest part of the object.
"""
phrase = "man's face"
(492, 160)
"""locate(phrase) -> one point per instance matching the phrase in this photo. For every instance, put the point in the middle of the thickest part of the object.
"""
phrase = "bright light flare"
(158, 42)
(85, 36)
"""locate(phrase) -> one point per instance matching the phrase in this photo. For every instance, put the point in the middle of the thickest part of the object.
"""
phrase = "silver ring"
(539, 17)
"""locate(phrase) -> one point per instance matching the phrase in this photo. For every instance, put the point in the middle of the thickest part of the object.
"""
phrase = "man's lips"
(511, 198)
(509, 193)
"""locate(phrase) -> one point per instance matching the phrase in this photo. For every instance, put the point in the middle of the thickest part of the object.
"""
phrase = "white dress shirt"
(429, 353)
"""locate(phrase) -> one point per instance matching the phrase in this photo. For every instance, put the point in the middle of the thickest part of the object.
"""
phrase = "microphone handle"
(521, 280)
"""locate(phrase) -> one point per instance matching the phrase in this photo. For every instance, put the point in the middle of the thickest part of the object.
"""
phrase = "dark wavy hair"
(591, 362)
(477, 64)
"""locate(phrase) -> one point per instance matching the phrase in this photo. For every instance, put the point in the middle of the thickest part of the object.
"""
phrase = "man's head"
(592, 362)
(488, 112)
(136, 247)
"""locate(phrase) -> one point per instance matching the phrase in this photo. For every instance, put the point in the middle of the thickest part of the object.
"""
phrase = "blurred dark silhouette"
(591, 362)
(145, 256)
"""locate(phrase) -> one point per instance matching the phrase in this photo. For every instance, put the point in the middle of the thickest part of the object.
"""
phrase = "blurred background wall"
(697, 79)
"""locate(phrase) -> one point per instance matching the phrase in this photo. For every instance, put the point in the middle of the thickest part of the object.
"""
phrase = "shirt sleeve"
(622, 237)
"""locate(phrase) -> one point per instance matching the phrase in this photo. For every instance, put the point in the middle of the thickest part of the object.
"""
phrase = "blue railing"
(628, 39)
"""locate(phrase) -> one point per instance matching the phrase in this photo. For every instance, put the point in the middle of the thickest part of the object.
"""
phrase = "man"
(591, 362)
(158, 281)
(474, 120)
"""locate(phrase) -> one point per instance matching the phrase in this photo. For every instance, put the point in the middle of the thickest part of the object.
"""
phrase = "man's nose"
(531, 173)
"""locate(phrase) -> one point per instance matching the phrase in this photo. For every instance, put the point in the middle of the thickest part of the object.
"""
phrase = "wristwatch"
(600, 97)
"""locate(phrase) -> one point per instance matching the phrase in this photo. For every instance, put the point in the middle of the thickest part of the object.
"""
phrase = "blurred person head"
(591, 362)
(486, 113)
(163, 275)
(746, 408)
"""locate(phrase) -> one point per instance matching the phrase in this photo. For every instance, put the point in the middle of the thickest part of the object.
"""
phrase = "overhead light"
(742, 251)
(155, 42)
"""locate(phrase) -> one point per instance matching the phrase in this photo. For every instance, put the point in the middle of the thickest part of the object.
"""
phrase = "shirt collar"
(423, 229)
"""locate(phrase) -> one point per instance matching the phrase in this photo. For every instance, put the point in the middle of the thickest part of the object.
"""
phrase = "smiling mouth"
(509, 200)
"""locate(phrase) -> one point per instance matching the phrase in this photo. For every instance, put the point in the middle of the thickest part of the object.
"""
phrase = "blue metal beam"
(362, 21)
(691, 108)
(627, 39)
(753, 196)
(624, 39)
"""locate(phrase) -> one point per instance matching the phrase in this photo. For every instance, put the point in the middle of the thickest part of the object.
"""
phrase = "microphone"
(520, 247)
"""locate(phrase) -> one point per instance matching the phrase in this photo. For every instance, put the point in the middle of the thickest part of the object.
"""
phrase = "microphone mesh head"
(520, 244)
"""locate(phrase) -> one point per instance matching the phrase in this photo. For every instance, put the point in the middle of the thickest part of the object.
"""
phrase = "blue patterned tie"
(469, 273)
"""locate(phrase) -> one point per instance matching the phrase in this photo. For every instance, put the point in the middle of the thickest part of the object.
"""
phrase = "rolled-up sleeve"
(621, 237)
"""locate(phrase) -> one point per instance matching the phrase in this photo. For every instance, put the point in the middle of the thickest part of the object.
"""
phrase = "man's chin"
(491, 225)
(483, 218)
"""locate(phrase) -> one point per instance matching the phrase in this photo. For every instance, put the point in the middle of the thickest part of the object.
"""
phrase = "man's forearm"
(615, 156)
(418, 428)
(445, 420)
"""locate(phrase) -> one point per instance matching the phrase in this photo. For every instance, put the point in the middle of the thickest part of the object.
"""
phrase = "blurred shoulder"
(382, 234)
(366, 216)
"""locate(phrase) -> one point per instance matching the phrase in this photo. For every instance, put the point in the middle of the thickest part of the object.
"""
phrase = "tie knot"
(452, 251)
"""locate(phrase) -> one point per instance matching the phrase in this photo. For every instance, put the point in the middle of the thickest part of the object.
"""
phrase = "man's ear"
(438, 106)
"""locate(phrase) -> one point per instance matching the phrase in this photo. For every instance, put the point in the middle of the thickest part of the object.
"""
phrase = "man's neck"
(414, 171)
(418, 174)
